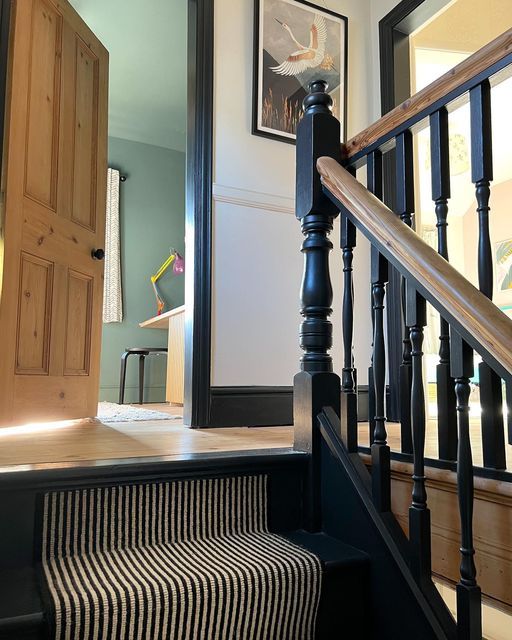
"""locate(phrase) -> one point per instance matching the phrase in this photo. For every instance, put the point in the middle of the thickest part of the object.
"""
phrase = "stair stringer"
(399, 609)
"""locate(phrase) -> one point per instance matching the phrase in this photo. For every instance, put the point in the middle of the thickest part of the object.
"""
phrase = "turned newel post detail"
(316, 294)
(315, 386)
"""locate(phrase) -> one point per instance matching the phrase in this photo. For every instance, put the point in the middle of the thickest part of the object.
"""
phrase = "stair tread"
(331, 552)
(21, 606)
(19, 595)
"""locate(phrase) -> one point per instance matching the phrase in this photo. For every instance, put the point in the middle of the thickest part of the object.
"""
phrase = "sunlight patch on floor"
(37, 427)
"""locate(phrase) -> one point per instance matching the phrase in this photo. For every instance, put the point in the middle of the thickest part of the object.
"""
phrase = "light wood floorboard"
(74, 442)
(431, 448)
(77, 441)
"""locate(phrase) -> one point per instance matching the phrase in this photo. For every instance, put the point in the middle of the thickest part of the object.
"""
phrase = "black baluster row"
(405, 209)
(455, 366)
(493, 434)
(446, 412)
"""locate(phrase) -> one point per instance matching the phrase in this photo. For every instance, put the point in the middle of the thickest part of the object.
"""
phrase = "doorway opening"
(145, 225)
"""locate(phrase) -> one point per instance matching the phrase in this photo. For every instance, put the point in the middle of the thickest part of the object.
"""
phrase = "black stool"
(142, 352)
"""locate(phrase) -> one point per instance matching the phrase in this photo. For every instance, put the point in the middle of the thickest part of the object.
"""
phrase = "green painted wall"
(152, 213)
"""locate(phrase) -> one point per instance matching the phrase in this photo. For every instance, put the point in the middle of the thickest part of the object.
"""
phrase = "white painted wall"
(257, 264)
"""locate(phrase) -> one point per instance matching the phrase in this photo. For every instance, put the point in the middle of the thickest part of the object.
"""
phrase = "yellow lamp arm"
(163, 268)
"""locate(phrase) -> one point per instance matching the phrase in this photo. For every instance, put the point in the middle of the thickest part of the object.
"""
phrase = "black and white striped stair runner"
(181, 560)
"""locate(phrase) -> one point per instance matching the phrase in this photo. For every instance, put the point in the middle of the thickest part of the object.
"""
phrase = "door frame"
(207, 406)
(395, 81)
(198, 216)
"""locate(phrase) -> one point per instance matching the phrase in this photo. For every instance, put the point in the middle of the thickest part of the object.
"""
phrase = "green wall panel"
(152, 214)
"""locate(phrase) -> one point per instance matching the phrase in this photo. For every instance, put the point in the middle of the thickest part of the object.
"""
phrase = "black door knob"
(98, 254)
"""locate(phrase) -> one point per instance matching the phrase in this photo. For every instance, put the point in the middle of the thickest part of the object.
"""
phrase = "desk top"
(161, 321)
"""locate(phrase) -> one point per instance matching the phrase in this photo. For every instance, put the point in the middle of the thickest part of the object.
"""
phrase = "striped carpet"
(181, 560)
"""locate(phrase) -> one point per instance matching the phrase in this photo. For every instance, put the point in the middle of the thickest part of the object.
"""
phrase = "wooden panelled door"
(53, 215)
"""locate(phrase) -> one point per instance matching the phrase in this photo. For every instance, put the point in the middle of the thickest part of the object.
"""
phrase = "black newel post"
(316, 386)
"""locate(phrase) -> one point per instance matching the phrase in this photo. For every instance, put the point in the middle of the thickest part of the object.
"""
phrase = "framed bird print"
(295, 42)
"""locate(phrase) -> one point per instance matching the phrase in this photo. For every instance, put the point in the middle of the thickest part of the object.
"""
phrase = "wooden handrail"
(456, 77)
(459, 299)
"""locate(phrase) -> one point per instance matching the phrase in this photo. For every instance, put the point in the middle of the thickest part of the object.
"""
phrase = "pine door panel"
(55, 196)
(43, 102)
(34, 314)
(85, 136)
(78, 325)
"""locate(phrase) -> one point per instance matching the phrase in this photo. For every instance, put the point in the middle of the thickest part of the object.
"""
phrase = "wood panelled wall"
(492, 526)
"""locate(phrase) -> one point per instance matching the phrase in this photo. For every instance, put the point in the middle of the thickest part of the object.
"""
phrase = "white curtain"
(112, 292)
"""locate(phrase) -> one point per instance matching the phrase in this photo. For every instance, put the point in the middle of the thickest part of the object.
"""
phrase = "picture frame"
(296, 42)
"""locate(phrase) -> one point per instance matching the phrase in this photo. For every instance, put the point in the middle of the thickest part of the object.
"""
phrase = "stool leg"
(141, 379)
(122, 380)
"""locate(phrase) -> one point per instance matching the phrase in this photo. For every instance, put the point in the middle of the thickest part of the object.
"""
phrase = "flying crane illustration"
(306, 57)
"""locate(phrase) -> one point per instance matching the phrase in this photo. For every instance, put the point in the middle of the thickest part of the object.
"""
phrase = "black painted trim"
(251, 406)
(263, 406)
(198, 217)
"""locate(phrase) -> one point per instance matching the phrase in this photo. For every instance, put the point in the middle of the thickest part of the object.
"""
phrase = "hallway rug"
(112, 412)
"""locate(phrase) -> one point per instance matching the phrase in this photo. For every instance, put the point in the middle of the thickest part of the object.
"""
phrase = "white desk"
(174, 322)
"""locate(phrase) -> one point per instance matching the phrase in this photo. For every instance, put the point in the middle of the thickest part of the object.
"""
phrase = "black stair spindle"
(374, 184)
(446, 404)
(469, 605)
(405, 209)
(316, 386)
(493, 432)
(380, 452)
(419, 514)
(349, 374)
(371, 380)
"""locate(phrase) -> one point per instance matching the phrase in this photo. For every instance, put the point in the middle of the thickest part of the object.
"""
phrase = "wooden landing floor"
(75, 442)
(431, 447)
